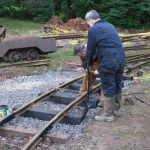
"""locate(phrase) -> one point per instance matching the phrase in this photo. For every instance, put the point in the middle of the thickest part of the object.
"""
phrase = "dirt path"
(129, 132)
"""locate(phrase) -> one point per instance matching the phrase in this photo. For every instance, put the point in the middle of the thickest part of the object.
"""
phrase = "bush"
(127, 13)
(40, 10)
(14, 12)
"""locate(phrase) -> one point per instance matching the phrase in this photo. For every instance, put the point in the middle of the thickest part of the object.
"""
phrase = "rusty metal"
(137, 56)
(139, 99)
(136, 66)
(2, 32)
(137, 60)
(137, 48)
(67, 36)
(29, 48)
(84, 35)
(27, 106)
(27, 64)
(39, 136)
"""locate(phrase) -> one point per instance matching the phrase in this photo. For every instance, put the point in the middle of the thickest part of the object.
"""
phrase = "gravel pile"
(66, 93)
(72, 130)
(20, 90)
(51, 106)
(127, 84)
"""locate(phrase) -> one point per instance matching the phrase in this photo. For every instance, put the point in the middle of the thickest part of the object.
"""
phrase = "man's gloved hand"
(96, 72)
(80, 70)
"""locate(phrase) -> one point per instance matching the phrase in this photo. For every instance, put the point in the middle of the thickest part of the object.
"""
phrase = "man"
(80, 50)
(102, 36)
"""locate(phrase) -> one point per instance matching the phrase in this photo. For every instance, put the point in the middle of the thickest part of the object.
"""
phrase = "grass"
(21, 27)
(61, 56)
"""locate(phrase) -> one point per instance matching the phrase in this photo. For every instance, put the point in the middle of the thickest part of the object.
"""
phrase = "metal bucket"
(4, 111)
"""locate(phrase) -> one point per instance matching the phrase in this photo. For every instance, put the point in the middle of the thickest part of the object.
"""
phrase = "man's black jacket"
(104, 37)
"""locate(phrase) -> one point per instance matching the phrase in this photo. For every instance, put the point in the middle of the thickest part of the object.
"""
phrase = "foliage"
(14, 11)
(127, 13)
(64, 13)
(39, 10)
(123, 13)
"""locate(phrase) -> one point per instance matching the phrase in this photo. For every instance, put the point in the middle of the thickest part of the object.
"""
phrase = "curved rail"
(27, 106)
(137, 60)
(137, 56)
(38, 137)
(136, 66)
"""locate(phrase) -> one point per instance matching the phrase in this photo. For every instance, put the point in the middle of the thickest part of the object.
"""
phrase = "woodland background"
(122, 13)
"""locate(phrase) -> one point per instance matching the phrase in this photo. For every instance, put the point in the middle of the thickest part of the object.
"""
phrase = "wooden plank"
(22, 132)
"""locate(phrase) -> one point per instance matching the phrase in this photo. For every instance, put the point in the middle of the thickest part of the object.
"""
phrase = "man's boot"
(117, 105)
(108, 110)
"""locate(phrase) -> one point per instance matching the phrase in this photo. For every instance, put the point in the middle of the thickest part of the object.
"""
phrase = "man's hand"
(96, 72)
(80, 70)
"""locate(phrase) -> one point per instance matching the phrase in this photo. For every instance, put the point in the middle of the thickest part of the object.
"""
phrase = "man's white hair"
(92, 14)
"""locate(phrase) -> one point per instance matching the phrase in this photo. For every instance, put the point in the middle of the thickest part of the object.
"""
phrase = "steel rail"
(39, 136)
(136, 48)
(136, 66)
(137, 60)
(139, 99)
(46, 61)
(136, 34)
(66, 36)
(131, 56)
(84, 35)
(27, 106)
(137, 56)
(27, 64)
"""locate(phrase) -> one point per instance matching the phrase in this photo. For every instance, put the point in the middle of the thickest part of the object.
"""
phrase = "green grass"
(61, 56)
(20, 27)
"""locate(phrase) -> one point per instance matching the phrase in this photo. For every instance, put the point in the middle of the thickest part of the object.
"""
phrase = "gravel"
(20, 90)
(51, 106)
(67, 93)
(72, 130)
(127, 84)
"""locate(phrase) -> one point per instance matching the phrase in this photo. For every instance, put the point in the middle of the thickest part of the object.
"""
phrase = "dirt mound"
(55, 24)
(77, 24)
(55, 21)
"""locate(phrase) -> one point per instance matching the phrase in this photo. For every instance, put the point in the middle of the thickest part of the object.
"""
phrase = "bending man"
(80, 50)
(102, 36)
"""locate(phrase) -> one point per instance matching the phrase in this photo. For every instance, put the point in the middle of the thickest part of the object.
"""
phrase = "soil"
(55, 24)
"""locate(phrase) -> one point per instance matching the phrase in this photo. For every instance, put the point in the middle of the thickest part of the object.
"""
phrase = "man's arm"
(91, 47)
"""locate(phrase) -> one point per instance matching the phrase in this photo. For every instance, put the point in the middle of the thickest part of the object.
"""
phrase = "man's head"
(79, 50)
(91, 17)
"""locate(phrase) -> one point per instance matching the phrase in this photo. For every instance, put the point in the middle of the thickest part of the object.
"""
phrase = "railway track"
(72, 86)
(27, 64)
(133, 58)
(84, 35)
(138, 58)
(133, 67)
(73, 102)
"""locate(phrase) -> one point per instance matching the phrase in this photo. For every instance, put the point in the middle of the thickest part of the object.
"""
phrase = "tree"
(39, 10)
(126, 13)
(64, 10)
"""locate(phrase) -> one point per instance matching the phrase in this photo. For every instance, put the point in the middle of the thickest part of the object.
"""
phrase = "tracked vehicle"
(24, 48)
